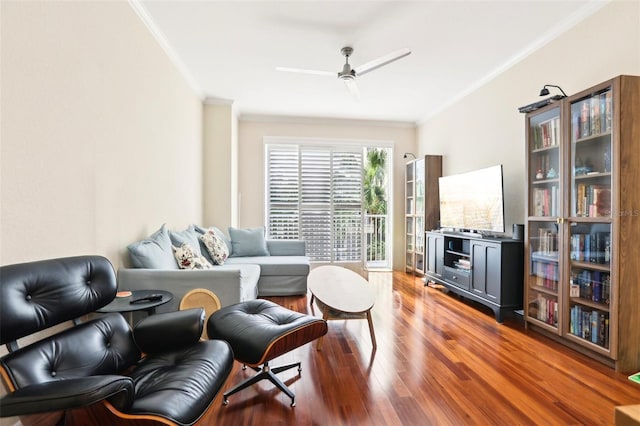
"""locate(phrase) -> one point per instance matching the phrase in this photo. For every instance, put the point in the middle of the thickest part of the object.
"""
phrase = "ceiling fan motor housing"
(347, 74)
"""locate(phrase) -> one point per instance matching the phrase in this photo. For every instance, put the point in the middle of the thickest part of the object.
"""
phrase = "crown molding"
(217, 101)
(326, 121)
(164, 44)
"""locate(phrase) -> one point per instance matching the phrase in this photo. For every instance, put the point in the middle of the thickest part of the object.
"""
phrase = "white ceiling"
(229, 50)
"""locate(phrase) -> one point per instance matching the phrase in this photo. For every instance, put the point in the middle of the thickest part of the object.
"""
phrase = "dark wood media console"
(488, 270)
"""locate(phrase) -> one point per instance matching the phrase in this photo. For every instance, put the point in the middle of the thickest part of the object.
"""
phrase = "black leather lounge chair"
(99, 363)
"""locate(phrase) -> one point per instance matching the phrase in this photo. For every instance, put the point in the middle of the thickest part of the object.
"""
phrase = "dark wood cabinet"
(435, 254)
(487, 270)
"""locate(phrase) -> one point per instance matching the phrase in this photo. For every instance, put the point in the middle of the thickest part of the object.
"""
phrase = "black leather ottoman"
(259, 331)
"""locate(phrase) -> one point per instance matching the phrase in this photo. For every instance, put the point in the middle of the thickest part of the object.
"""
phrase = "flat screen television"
(473, 201)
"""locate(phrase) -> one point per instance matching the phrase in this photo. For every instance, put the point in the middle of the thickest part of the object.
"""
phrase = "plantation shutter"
(315, 203)
(315, 193)
(347, 206)
(283, 192)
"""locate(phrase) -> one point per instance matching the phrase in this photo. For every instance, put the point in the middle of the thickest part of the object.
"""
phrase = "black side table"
(122, 304)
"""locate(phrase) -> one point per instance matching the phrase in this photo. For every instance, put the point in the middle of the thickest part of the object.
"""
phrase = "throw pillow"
(248, 242)
(188, 258)
(154, 252)
(215, 246)
(219, 233)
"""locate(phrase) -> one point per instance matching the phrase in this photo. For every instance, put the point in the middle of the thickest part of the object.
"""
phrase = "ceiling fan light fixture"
(349, 76)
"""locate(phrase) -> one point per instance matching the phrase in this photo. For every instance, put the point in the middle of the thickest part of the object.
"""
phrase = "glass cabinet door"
(590, 219)
(543, 281)
(590, 282)
(545, 167)
(591, 129)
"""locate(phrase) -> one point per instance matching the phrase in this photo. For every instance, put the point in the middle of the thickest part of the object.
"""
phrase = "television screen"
(473, 200)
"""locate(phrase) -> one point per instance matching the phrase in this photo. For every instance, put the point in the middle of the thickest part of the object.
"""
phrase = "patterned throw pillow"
(216, 247)
(188, 258)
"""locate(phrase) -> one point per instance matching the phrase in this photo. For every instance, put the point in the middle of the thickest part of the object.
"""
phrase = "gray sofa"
(283, 272)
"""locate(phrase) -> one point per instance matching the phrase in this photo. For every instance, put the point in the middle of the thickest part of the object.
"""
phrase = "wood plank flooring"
(439, 361)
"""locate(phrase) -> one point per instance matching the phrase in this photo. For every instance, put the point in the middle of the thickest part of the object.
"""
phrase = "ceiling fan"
(348, 74)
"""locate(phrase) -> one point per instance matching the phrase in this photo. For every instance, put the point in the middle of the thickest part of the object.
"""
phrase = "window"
(314, 193)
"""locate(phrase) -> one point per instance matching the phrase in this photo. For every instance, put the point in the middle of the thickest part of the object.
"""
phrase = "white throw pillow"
(188, 258)
(216, 247)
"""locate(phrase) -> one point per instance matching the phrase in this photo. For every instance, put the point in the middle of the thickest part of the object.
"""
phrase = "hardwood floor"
(439, 361)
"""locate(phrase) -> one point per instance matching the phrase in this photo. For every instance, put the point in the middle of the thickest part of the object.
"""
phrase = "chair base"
(269, 374)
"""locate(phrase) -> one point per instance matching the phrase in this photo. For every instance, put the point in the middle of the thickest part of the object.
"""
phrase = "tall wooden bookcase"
(422, 208)
(582, 244)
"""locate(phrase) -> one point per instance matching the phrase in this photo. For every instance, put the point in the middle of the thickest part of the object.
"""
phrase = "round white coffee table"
(342, 294)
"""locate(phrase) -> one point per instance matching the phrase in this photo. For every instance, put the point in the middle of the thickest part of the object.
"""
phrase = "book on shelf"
(544, 201)
(544, 309)
(585, 125)
(546, 275)
(546, 133)
(592, 116)
(592, 285)
(590, 324)
(547, 241)
(593, 200)
(594, 247)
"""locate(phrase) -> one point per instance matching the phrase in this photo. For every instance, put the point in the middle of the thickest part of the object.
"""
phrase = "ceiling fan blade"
(382, 61)
(303, 71)
(353, 88)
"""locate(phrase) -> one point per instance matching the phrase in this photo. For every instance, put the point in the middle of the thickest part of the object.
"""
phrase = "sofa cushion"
(188, 236)
(200, 230)
(286, 247)
(275, 265)
(248, 242)
(188, 258)
(154, 252)
(215, 246)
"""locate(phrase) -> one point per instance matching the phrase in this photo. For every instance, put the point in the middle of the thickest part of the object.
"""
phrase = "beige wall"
(485, 127)
(101, 135)
(251, 161)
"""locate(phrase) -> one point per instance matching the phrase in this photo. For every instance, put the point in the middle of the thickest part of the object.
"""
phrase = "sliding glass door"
(316, 192)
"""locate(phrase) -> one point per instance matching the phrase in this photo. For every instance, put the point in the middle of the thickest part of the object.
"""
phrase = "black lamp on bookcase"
(545, 92)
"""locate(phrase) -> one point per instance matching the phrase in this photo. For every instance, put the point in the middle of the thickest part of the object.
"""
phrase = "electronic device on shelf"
(149, 298)
(473, 201)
